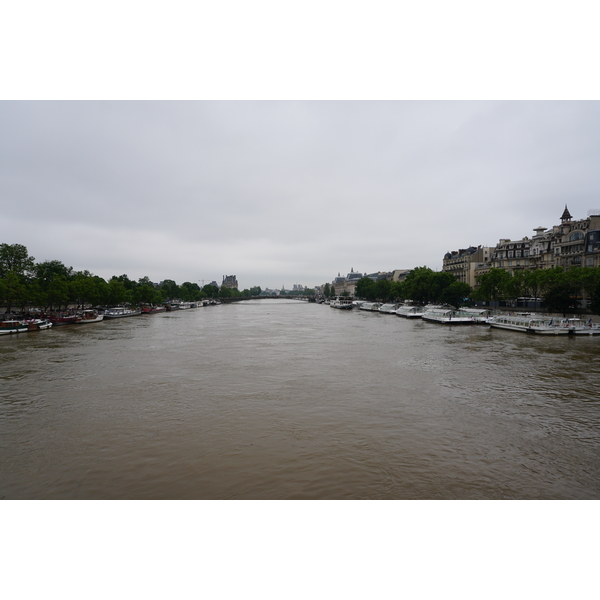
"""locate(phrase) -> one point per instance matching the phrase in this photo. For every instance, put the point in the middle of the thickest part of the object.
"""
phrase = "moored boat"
(528, 324)
(389, 308)
(15, 326)
(480, 315)
(343, 303)
(120, 311)
(149, 310)
(63, 318)
(90, 316)
(577, 326)
(12, 326)
(372, 306)
(448, 316)
(410, 311)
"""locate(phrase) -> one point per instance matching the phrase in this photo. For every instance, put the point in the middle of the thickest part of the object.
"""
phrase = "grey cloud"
(286, 191)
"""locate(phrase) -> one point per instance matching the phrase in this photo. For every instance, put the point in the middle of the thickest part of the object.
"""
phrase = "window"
(576, 235)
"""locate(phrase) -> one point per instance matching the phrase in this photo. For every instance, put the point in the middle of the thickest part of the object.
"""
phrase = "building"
(464, 263)
(229, 281)
(577, 243)
(511, 255)
(346, 284)
(570, 244)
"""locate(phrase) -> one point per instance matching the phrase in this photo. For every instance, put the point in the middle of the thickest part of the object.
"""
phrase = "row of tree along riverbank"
(51, 285)
(559, 290)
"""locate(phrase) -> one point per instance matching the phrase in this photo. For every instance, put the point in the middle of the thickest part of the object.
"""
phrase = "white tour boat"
(528, 324)
(389, 308)
(343, 303)
(577, 326)
(480, 315)
(372, 306)
(448, 316)
(410, 311)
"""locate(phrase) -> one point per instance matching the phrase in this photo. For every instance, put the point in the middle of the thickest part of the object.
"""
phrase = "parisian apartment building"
(573, 243)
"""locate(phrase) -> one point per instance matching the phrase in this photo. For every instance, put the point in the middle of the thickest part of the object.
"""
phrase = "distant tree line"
(560, 290)
(421, 285)
(53, 285)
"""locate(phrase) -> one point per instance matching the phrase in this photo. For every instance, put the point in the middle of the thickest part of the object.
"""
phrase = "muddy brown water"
(276, 399)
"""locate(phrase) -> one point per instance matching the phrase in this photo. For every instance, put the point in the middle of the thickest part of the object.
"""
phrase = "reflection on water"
(284, 399)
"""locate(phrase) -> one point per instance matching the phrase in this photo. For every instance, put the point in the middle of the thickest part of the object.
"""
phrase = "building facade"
(230, 281)
(570, 244)
(464, 263)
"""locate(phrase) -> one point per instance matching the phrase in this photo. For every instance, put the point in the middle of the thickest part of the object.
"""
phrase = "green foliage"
(326, 290)
(397, 290)
(365, 288)
(211, 291)
(46, 271)
(383, 289)
(455, 294)
(424, 286)
(117, 293)
(12, 291)
(58, 292)
(492, 285)
(15, 258)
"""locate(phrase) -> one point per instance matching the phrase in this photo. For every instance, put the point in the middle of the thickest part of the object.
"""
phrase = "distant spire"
(566, 216)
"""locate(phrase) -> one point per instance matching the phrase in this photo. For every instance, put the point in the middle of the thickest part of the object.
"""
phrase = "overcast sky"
(283, 192)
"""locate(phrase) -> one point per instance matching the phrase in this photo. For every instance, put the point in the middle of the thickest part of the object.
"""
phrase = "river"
(277, 399)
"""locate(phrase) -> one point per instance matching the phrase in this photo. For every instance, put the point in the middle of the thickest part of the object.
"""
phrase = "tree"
(365, 288)
(192, 290)
(12, 291)
(117, 293)
(326, 290)
(438, 283)
(589, 280)
(382, 290)
(516, 286)
(397, 290)
(211, 291)
(170, 288)
(492, 285)
(559, 290)
(456, 293)
(417, 285)
(531, 282)
(58, 292)
(46, 271)
(15, 258)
